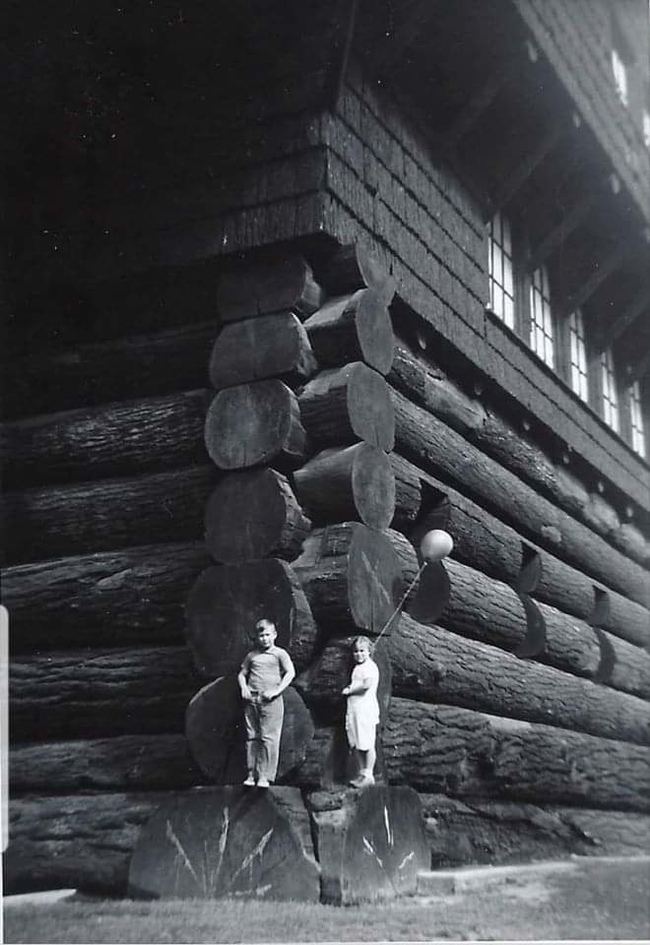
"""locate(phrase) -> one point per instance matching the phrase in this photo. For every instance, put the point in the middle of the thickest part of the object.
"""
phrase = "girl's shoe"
(263, 782)
(250, 781)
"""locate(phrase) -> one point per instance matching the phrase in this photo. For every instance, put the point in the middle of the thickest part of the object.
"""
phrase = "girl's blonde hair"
(366, 640)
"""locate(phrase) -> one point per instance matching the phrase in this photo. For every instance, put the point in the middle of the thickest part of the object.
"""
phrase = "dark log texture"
(105, 515)
(283, 282)
(122, 763)
(423, 439)
(408, 493)
(353, 328)
(353, 483)
(621, 616)
(473, 831)
(371, 844)
(114, 440)
(254, 514)
(259, 348)
(259, 847)
(348, 404)
(351, 576)
(132, 596)
(254, 424)
(458, 752)
(634, 544)
(226, 602)
(97, 692)
(353, 267)
(214, 726)
(132, 367)
(81, 842)
(434, 665)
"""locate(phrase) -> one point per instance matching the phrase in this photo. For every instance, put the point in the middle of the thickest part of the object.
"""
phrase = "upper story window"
(501, 271)
(646, 128)
(578, 355)
(541, 317)
(636, 420)
(620, 76)
(610, 393)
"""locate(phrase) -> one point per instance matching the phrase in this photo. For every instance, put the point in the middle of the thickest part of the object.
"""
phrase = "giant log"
(225, 603)
(260, 348)
(356, 482)
(348, 404)
(408, 493)
(353, 328)
(254, 513)
(269, 283)
(352, 578)
(214, 726)
(441, 450)
(100, 692)
(118, 439)
(434, 665)
(352, 267)
(105, 515)
(259, 847)
(255, 424)
(455, 751)
(111, 598)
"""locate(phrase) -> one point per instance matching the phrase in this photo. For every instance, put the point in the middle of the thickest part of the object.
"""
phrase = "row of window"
(619, 70)
(523, 302)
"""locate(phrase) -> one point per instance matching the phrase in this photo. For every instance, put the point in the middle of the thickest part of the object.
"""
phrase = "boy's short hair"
(361, 639)
(265, 624)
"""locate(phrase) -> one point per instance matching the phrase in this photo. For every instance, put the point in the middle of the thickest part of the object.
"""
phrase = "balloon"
(436, 545)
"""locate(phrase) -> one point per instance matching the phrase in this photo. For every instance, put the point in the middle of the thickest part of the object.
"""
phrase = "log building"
(288, 285)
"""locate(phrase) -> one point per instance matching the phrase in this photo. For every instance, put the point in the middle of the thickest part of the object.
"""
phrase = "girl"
(362, 712)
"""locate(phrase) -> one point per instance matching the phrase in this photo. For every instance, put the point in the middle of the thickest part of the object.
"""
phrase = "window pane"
(501, 276)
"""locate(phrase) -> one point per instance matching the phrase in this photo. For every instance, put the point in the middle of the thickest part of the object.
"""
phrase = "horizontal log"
(80, 842)
(104, 515)
(146, 365)
(271, 282)
(121, 763)
(353, 327)
(455, 751)
(472, 830)
(351, 576)
(260, 348)
(132, 596)
(252, 514)
(253, 424)
(348, 404)
(137, 436)
(351, 267)
(408, 493)
(353, 483)
(434, 665)
(422, 439)
(225, 603)
(100, 692)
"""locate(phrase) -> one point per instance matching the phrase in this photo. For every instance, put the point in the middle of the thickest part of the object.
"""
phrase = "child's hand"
(269, 695)
(246, 694)
(346, 691)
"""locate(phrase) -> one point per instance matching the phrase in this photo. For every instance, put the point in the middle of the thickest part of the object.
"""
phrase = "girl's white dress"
(362, 713)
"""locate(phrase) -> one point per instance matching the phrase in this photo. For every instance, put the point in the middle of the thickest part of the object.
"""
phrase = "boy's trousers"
(263, 722)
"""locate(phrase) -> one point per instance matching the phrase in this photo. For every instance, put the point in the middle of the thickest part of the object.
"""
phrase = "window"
(500, 269)
(578, 355)
(610, 395)
(636, 419)
(620, 76)
(646, 128)
(541, 317)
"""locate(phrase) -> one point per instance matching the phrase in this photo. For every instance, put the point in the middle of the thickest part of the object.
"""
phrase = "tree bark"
(435, 665)
(255, 424)
(408, 493)
(260, 348)
(110, 514)
(348, 404)
(226, 602)
(351, 576)
(354, 267)
(267, 284)
(113, 440)
(214, 726)
(254, 514)
(100, 692)
(259, 847)
(112, 598)
(353, 328)
(353, 483)
(458, 752)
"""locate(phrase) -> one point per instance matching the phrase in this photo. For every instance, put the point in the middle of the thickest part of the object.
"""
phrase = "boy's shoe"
(250, 781)
(364, 780)
(263, 782)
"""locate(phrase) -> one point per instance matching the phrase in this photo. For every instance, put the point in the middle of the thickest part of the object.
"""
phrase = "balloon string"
(401, 603)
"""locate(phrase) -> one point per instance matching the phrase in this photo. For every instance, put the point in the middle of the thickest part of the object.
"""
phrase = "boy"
(265, 673)
(362, 711)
